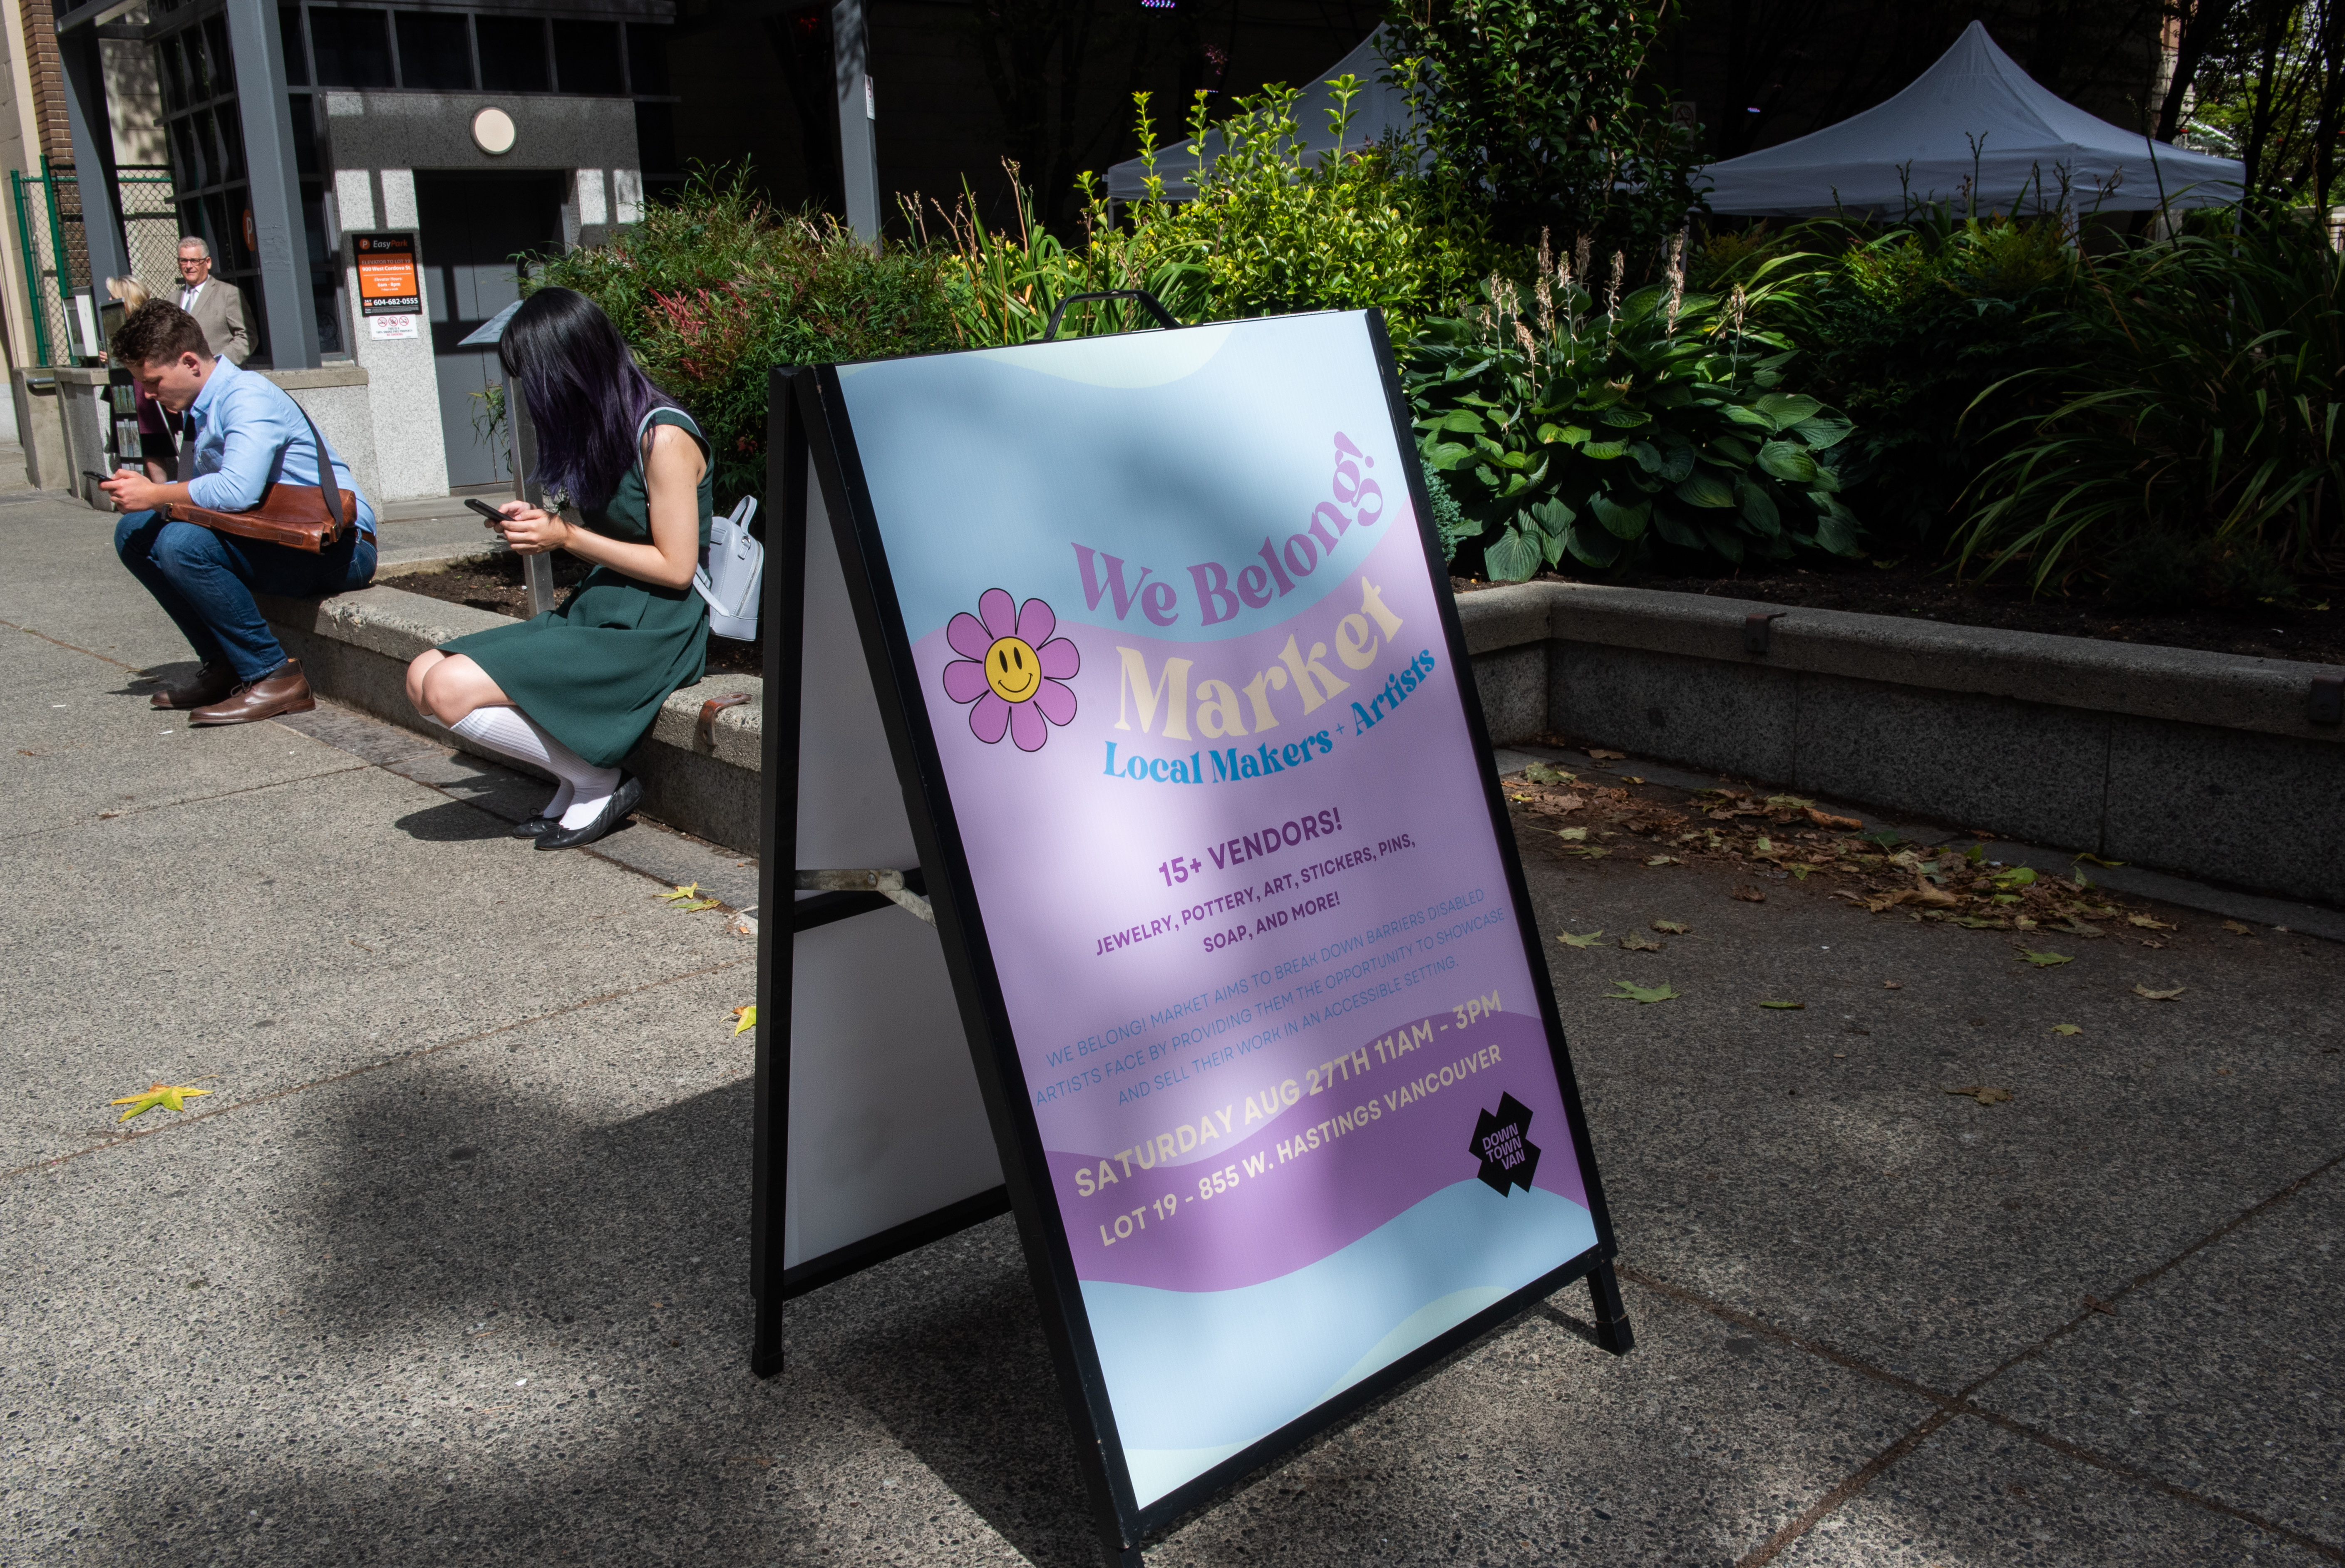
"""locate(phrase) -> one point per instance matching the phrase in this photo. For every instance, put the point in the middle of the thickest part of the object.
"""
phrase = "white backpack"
(732, 569)
(732, 563)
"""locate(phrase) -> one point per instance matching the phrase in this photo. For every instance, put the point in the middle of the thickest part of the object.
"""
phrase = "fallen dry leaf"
(1635, 942)
(2066, 1029)
(2234, 925)
(1671, 927)
(1604, 756)
(1588, 940)
(168, 1096)
(1892, 985)
(1825, 819)
(1930, 893)
(2045, 960)
(1982, 1093)
(1574, 834)
(746, 1017)
(2159, 996)
(1750, 895)
(2149, 923)
(696, 904)
(1586, 851)
(1539, 773)
(1631, 778)
(683, 890)
(1625, 992)
(1665, 860)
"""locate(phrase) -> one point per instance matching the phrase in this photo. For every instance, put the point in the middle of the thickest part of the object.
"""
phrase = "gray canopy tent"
(1976, 131)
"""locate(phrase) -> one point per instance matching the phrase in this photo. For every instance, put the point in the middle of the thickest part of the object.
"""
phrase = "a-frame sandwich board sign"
(1180, 714)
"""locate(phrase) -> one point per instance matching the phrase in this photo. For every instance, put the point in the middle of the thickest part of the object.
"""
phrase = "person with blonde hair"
(157, 449)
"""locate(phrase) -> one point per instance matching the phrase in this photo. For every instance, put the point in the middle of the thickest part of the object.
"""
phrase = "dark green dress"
(595, 671)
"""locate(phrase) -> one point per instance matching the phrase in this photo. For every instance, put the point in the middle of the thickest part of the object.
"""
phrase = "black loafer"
(614, 811)
(536, 828)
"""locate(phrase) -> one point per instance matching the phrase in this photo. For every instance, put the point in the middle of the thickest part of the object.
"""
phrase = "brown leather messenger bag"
(309, 517)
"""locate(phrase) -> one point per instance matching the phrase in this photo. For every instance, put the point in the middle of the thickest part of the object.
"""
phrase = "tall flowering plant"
(1608, 427)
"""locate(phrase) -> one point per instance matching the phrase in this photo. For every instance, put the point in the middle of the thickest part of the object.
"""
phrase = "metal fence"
(56, 254)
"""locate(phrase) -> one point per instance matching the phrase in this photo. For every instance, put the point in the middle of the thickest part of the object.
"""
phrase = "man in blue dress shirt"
(244, 434)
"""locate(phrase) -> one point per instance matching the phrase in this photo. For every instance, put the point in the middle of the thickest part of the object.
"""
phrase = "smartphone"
(484, 509)
(96, 478)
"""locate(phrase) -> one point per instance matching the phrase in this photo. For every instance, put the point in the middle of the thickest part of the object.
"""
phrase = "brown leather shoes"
(287, 691)
(206, 686)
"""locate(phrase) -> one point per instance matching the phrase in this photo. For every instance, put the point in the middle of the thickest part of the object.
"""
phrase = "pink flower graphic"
(1011, 668)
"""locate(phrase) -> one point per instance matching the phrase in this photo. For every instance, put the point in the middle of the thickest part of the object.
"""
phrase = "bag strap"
(327, 487)
(643, 425)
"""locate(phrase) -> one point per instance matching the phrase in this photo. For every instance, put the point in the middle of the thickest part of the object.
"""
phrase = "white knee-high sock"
(514, 733)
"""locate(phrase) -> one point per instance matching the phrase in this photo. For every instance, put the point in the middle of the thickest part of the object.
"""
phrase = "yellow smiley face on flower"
(1012, 669)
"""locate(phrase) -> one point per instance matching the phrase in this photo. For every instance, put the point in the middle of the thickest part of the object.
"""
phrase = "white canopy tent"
(1377, 108)
(1972, 116)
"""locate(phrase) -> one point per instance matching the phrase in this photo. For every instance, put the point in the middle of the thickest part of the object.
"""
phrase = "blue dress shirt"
(249, 434)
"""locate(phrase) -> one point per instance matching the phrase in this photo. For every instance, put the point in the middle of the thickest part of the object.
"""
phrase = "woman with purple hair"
(574, 689)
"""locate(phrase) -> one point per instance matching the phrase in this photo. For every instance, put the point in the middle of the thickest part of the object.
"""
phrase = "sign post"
(1175, 699)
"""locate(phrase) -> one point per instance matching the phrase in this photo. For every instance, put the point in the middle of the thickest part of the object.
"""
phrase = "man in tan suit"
(218, 307)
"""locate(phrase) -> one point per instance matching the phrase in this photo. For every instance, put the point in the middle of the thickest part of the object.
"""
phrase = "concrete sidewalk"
(450, 1265)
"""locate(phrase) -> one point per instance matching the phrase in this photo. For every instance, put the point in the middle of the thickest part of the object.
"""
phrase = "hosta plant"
(1625, 429)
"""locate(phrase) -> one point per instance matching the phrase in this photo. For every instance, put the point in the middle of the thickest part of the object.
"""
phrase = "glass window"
(646, 57)
(305, 133)
(191, 168)
(231, 141)
(296, 58)
(199, 71)
(353, 47)
(586, 58)
(655, 138)
(512, 55)
(435, 50)
(216, 49)
(167, 66)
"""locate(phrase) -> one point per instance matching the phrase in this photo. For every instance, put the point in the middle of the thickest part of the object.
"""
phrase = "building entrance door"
(472, 225)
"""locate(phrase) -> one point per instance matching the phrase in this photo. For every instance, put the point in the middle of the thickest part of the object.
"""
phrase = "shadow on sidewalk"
(456, 1233)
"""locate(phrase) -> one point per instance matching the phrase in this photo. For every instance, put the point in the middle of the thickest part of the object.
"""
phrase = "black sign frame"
(808, 418)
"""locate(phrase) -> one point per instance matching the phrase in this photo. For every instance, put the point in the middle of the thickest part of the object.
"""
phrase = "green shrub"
(714, 288)
(1271, 230)
(1545, 116)
(1655, 423)
(2200, 422)
(1903, 329)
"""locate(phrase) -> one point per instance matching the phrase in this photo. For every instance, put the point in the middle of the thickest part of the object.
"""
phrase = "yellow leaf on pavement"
(748, 1018)
(1574, 834)
(1636, 943)
(1589, 940)
(2159, 996)
(1671, 927)
(168, 1096)
(2066, 1029)
(683, 890)
(2149, 923)
(2233, 925)
(695, 904)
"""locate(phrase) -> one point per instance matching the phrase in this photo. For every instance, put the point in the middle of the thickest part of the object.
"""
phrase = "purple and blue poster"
(1232, 871)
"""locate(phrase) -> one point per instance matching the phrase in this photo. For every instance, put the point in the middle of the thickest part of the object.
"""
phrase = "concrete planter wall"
(2205, 764)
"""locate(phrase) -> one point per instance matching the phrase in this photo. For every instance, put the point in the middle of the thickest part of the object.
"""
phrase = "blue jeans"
(206, 580)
